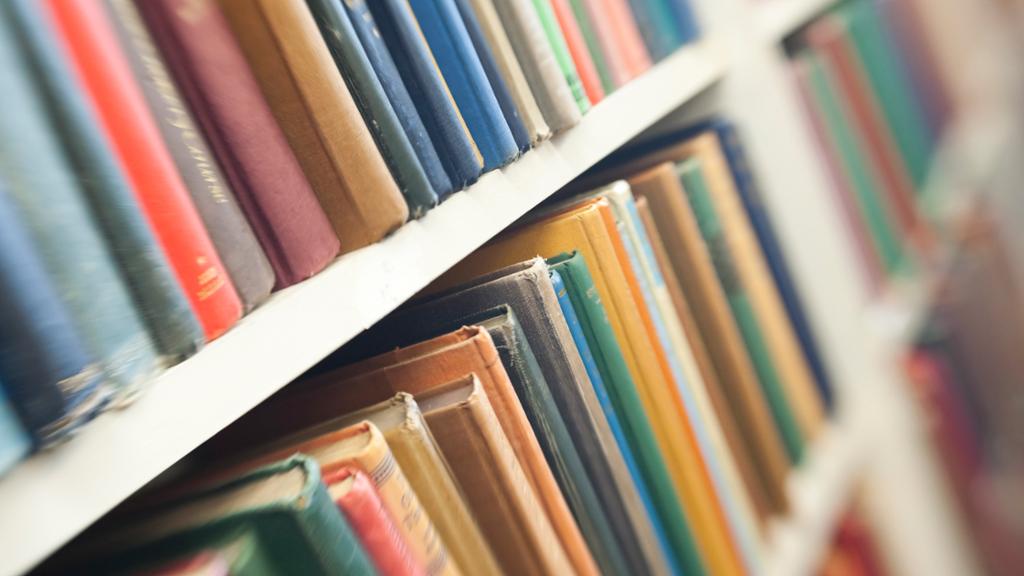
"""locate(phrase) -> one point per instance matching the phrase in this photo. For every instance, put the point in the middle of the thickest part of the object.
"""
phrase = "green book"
(579, 10)
(561, 51)
(297, 525)
(699, 197)
(682, 549)
(854, 164)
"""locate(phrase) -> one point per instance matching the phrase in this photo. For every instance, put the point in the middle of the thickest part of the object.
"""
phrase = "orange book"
(578, 50)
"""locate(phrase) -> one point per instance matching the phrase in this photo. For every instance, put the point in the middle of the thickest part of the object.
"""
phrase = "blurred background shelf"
(777, 19)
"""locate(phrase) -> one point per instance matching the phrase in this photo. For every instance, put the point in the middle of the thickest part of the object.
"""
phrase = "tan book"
(320, 119)
(488, 471)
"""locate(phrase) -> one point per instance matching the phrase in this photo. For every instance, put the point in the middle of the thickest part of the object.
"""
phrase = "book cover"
(358, 500)
(485, 465)
(452, 49)
(397, 26)
(494, 77)
(685, 20)
(250, 147)
(586, 66)
(606, 39)
(692, 266)
(537, 57)
(365, 29)
(556, 38)
(623, 34)
(237, 554)
(319, 118)
(14, 441)
(657, 27)
(379, 115)
(508, 65)
(90, 44)
(155, 290)
(45, 197)
(593, 41)
(229, 231)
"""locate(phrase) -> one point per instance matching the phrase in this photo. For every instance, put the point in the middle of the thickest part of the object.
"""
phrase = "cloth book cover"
(155, 290)
(230, 232)
(348, 27)
(495, 485)
(284, 505)
(494, 76)
(452, 49)
(397, 26)
(45, 197)
(584, 229)
(14, 441)
(91, 46)
(536, 55)
(657, 27)
(359, 501)
(250, 147)
(586, 67)
(592, 40)
(563, 57)
(618, 55)
(685, 20)
(625, 35)
(319, 118)
(378, 113)
(508, 65)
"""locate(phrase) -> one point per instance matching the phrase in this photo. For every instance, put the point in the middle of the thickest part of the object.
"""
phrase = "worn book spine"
(253, 153)
(607, 37)
(358, 500)
(99, 62)
(155, 290)
(14, 441)
(561, 50)
(230, 232)
(452, 49)
(576, 10)
(378, 112)
(619, 17)
(319, 117)
(488, 471)
(420, 72)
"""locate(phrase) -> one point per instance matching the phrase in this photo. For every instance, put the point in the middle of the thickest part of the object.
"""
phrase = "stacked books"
(167, 164)
(619, 384)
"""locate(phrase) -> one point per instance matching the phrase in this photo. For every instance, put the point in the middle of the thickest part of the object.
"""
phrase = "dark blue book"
(685, 19)
(397, 26)
(460, 66)
(14, 443)
(497, 81)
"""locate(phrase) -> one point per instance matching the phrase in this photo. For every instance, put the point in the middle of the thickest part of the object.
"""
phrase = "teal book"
(699, 197)
(657, 26)
(666, 512)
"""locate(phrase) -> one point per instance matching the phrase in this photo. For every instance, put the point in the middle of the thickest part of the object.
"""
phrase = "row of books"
(621, 384)
(167, 164)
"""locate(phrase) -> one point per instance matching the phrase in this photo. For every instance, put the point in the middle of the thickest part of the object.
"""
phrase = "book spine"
(460, 66)
(608, 41)
(91, 45)
(252, 152)
(230, 232)
(628, 37)
(14, 442)
(378, 113)
(572, 38)
(559, 47)
(656, 26)
(686, 21)
(156, 292)
(572, 14)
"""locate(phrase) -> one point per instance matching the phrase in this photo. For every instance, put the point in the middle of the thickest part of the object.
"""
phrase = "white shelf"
(777, 19)
(52, 497)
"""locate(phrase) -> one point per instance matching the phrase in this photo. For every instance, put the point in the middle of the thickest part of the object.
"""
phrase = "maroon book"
(253, 153)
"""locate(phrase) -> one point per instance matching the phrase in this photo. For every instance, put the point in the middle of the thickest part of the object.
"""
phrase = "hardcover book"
(90, 44)
(584, 62)
(607, 39)
(253, 153)
(563, 57)
(234, 555)
(657, 27)
(592, 41)
(624, 34)
(320, 119)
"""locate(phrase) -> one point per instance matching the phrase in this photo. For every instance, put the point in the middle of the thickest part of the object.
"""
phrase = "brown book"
(312, 104)
(486, 467)
(692, 266)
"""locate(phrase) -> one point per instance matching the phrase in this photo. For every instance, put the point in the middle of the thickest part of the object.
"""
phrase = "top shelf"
(777, 19)
(50, 498)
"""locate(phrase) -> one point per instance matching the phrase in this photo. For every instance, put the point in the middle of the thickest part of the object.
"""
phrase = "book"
(692, 266)
(508, 65)
(582, 228)
(685, 20)
(365, 29)
(397, 26)
(617, 56)
(319, 118)
(537, 57)
(91, 47)
(230, 232)
(657, 27)
(366, 88)
(626, 34)
(483, 461)
(14, 441)
(154, 289)
(494, 77)
(557, 40)
(592, 39)
(45, 197)
(226, 102)
(208, 562)
(585, 64)
(284, 505)
(358, 500)
(452, 49)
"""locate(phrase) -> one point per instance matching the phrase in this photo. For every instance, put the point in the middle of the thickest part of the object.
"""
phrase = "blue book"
(657, 27)
(46, 198)
(483, 49)
(453, 51)
(415, 63)
(685, 19)
(154, 289)
(14, 443)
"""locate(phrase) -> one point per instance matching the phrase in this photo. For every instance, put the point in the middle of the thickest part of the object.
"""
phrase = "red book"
(620, 19)
(92, 48)
(358, 500)
(578, 50)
